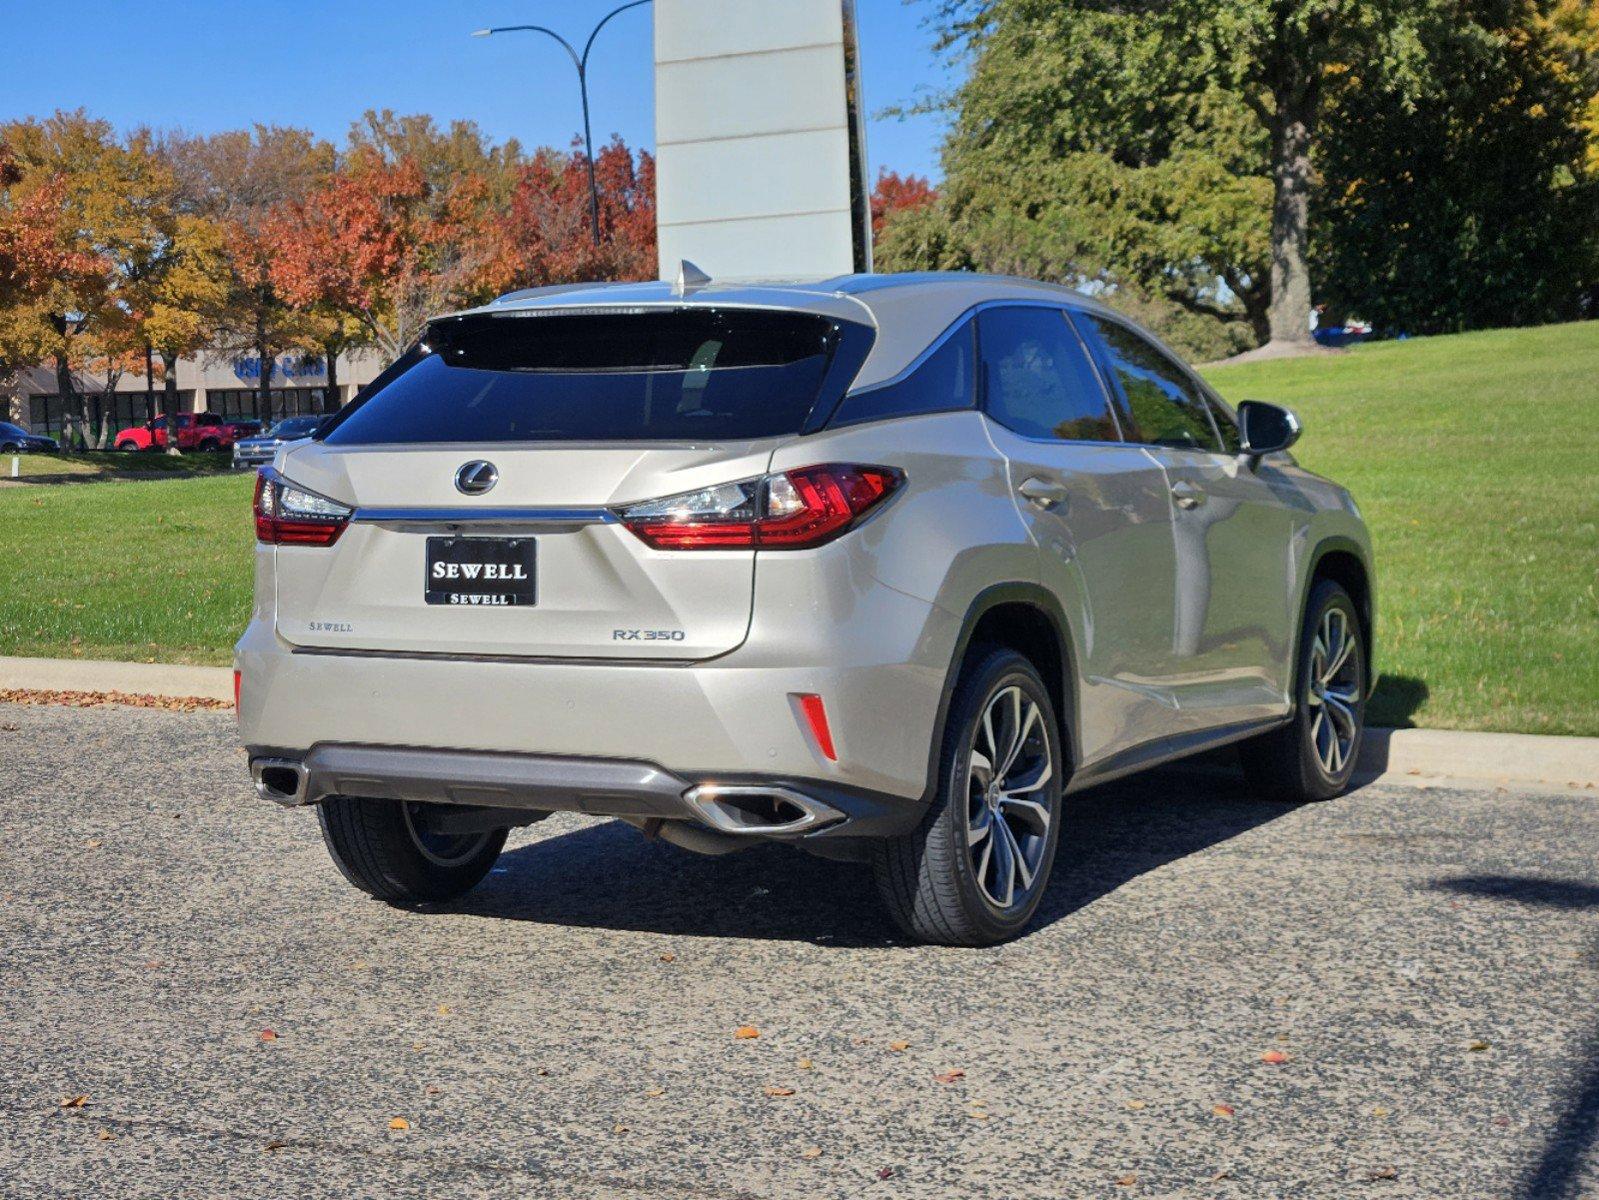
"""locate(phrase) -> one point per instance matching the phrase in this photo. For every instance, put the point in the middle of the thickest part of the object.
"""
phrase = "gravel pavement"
(1427, 959)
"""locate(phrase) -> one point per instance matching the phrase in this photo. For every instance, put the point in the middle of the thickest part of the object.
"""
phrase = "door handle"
(1042, 492)
(1187, 495)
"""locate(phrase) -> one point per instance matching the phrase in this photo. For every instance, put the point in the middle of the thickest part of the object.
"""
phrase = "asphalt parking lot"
(243, 1023)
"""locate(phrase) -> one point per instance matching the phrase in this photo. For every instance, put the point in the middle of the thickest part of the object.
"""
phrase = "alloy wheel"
(1334, 696)
(1008, 803)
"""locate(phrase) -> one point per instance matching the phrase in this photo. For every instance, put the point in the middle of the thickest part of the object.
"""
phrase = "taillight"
(792, 510)
(286, 514)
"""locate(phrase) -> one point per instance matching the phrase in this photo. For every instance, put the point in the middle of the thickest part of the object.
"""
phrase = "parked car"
(206, 432)
(243, 428)
(254, 451)
(15, 439)
(884, 568)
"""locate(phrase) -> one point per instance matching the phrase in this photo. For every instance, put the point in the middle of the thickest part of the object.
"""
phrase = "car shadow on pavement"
(610, 876)
(1558, 1171)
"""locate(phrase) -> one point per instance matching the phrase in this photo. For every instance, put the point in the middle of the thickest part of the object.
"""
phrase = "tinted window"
(943, 383)
(689, 375)
(1037, 380)
(1226, 426)
(1166, 408)
(296, 427)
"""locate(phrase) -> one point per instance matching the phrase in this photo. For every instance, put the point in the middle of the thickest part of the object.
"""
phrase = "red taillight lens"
(289, 515)
(794, 510)
(816, 717)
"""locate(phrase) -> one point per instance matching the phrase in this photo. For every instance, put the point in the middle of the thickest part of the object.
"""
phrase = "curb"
(1409, 756)
(140, 679)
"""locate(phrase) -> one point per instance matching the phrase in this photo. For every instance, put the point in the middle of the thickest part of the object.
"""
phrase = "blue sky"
(204, 65)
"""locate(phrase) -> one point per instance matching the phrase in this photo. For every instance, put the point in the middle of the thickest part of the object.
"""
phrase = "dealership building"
(223, 385)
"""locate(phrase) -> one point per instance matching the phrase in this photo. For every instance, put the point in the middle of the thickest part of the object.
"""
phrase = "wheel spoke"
(1331, 671)
(1347, 697)
(988, 733)
(1321, 725)
(1004, 890)
(1018, 859)
(1043, 773)
(1342, 715)
(1031, 811)
(982, 766)
(979, 826)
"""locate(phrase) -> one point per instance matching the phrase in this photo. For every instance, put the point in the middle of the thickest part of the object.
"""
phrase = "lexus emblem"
(476, 477)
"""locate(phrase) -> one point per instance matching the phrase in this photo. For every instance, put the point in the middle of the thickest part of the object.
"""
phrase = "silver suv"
(885, 567)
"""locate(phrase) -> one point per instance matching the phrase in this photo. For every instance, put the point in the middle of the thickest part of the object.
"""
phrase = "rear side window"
(683, 375)
(1037, 380)
(1165, 406)
(942, 383)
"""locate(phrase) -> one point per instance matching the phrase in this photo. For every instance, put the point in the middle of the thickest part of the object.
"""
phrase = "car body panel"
(1178, 626)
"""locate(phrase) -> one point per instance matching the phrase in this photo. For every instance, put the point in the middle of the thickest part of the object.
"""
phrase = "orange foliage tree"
(895, 193)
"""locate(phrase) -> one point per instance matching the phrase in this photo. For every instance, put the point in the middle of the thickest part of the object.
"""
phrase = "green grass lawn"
(1471, 456)
(1473, 460)
(142, 571)
(111, 463)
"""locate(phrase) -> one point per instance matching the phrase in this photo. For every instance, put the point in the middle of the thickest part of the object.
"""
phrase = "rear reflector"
(289, 515)
(816, 717)
(793, 510)
(236, 690)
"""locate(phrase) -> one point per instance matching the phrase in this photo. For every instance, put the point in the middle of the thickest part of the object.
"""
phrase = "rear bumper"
(639, 791)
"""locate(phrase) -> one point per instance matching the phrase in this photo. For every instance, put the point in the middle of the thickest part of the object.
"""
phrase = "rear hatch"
(574, 415)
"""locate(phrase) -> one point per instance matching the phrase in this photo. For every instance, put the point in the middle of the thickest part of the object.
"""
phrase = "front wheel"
(974, 871)
(1313, 756)
(397, 851)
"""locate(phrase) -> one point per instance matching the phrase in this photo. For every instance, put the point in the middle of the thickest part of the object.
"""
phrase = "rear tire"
(385, 849)
(1313, 756)
(127, 447)
(974, 871)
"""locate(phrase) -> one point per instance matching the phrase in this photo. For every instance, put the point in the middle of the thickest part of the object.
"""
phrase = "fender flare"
(1341, 543)
(991, 597)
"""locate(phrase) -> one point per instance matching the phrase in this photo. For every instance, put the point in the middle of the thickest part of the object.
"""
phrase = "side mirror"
(1266, 428)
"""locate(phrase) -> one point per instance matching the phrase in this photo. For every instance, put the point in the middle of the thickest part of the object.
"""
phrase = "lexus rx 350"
(885, 567)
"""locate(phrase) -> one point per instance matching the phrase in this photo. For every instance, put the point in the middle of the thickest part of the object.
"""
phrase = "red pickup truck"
(196, 431)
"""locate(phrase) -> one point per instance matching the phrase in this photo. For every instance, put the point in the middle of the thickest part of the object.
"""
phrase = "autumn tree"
(895, 193)
(549, 227)
(239, 180)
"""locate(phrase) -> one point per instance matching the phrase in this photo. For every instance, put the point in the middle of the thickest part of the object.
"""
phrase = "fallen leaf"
(1225, 1111)
(1274, 1057)
(668, 958)
(152, 964)
(358, 965)
(74, 1101)
(1502, 1122)
(811, 1152)
(1136, 1105)
(1477, 1045)
(620, 1129)
(273, 1145)
(744, 1032)
(899, 1047)
(444, 1010)
(1224, 1173)
(950, 1076)
(417, 1047)
(886, 1173)
(804, 1064)
(432, 1089)
(779, 1091)
(1373, 1174)
(1379, 1111)
(1127, 1180)
(268, 1035)
(399, 1123)
(105, 1135)
(94, 843)
(978, 1114)
(655, 1091)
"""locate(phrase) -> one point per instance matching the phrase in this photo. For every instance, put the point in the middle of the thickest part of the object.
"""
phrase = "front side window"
(673, 375)
(1165, 406)
(1037, 380)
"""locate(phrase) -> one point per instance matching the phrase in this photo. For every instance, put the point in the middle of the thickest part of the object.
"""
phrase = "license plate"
(481, 572)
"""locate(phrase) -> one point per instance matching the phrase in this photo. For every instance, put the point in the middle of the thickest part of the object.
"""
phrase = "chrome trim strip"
(485, 516)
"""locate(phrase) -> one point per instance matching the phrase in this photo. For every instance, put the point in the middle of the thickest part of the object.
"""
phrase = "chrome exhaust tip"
(280, 780)
(754, 809)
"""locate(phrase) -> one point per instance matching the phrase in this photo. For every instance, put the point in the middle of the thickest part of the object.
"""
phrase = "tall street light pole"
(581, 62)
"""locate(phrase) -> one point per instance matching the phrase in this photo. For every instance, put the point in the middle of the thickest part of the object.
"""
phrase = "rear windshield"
(682, 375)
